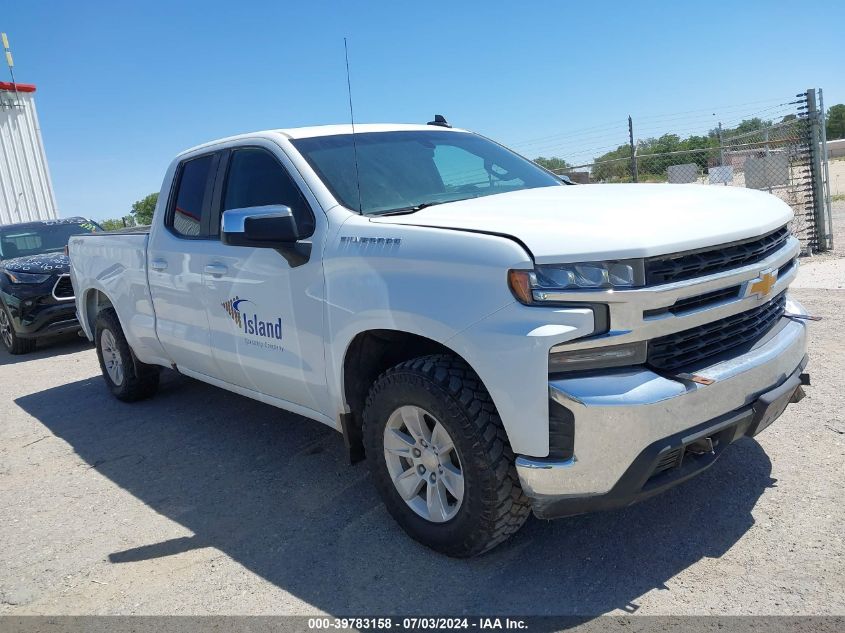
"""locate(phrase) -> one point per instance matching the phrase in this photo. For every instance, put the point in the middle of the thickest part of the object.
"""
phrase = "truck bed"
(115, 264)
(129, 230)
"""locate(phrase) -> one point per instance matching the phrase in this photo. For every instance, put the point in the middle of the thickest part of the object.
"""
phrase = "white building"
(26, 192)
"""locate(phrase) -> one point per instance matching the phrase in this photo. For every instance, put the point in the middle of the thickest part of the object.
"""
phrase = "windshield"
(37, 239)
(401, 171)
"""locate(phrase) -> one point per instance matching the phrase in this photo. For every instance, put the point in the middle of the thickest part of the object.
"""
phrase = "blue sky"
(122, 87)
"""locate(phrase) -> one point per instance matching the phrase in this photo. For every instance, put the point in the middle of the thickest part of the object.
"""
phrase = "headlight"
(17, 277)
(546, 280)
(561, 359)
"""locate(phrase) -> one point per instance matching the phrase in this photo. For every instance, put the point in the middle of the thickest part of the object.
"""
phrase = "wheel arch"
(94, 301)
(368, 355)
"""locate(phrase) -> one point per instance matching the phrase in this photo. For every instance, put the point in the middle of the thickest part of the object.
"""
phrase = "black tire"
(493, 506)
(13, 343)
(139, 379)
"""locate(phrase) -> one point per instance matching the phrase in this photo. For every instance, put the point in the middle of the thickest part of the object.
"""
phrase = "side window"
(256, 178)
(189, 204)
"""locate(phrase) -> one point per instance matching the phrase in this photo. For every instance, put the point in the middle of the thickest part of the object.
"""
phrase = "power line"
(594, 140)
(573, 146)
(669, 116)
(735, 106)
(569, 134)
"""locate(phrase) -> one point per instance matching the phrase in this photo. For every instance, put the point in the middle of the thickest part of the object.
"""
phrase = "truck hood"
(596, 222)
(56, 263)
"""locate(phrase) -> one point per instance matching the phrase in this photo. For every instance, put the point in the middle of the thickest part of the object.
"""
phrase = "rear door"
(265, 313)
(176, 260)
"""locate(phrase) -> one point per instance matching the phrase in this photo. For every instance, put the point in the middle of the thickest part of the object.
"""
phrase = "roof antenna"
(352, 119)
(440, 121)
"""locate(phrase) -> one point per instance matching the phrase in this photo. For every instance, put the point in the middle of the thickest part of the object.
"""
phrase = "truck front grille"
(690, 304)
(680, 349)
(690, 264)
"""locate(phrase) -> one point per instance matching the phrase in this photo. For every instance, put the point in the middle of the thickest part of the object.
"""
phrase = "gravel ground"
(202, 502)
(827, 270)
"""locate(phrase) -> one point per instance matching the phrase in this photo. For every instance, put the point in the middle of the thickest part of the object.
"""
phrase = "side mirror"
(566, 179)
(270, 226)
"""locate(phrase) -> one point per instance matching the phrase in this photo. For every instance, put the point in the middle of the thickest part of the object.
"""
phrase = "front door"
(265, 314)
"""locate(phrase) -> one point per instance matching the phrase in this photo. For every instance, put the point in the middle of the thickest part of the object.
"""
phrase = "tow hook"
(702, 446)
(802, 317)
(696, 378)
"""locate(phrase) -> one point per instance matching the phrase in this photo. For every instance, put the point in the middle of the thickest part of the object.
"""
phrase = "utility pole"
(634, 175)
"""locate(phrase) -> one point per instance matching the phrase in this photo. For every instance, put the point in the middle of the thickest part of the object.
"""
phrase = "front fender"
(426, 281)
(451, 287)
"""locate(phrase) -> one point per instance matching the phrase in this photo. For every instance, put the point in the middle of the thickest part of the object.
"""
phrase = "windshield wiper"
(411, 209)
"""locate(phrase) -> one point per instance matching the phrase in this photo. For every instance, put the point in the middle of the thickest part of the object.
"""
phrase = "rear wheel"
(440, 457)
(127, 378)
(11, 341)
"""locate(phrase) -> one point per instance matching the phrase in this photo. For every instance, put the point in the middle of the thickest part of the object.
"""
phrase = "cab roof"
(346, 128)
(326, 130)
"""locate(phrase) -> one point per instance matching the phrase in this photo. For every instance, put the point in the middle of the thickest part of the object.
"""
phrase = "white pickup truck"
(493, 340)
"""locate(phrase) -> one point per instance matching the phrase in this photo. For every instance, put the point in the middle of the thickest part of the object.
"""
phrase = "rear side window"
(189, 206)
(256, 179)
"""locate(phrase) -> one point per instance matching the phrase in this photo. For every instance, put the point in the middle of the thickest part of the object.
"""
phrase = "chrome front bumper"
(620, 415)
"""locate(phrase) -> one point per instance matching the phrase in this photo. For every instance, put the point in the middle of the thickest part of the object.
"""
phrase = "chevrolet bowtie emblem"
(762, 285)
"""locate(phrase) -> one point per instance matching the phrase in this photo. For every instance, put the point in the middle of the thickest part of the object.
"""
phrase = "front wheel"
(440, 457)
(127, 378)
(11, 341)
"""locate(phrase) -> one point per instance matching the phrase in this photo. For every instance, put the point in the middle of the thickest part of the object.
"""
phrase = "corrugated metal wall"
(26, 192)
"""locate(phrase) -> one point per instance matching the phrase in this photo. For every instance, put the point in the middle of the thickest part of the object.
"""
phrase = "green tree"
(144, 208)
(835, 122)
(113, 224)
(746, 125)
(751, 125)
(614, 166)
(654, 156)
(551, 163)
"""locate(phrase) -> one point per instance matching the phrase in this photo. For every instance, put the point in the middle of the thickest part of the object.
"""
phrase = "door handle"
(158, 264)
(216, 270)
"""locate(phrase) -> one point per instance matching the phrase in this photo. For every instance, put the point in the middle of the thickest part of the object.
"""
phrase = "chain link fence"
(783, 158)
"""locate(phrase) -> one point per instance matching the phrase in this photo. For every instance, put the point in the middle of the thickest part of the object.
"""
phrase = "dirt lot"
(200, 501)
(836, 168)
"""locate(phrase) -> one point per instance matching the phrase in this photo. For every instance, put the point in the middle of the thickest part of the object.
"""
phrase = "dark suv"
(36, 296)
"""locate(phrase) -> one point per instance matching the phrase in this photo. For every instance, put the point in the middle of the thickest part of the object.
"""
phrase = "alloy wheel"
(5, 329)
(423, 464)
(111, 357)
